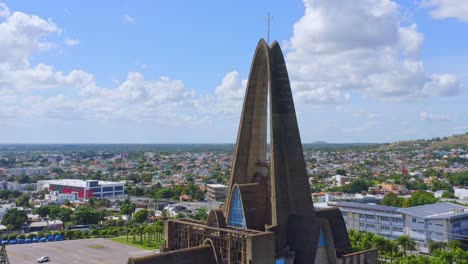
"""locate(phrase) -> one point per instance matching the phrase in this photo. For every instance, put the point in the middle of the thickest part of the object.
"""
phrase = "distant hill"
(444, 143)
(456, 141)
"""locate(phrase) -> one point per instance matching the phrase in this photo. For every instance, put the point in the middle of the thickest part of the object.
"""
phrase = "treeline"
(173, 192)
(400, 251)
(418, 198)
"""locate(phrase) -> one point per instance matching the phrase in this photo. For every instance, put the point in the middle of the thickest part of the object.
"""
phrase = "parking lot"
(95, 251)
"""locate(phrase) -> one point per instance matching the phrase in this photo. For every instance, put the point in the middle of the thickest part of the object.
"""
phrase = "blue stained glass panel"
(236, 215)
(322, 241)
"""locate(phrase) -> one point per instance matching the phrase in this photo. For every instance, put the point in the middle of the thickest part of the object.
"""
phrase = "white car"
(43, 259)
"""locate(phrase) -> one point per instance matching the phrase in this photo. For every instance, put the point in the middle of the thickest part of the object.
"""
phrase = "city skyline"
(373, 71)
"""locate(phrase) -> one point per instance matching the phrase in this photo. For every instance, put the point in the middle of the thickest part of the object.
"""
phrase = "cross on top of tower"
(268, 19)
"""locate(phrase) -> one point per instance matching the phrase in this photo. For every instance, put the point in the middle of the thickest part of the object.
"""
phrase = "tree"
(141, 216)
(15, 217)
(24, 179)
(201, 214)
(23, 200)
(406, 244)
(391, 199)
(127, 207)
(448, 195)
(357, 186)
(341, 172)
(421, 198)
(42, 211)
(85, 215)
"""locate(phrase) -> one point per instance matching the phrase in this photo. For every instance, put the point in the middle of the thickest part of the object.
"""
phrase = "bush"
(95, 232)
(12, 236)
(78, 234)
(103, 233)
(69, 234)
(22, 236)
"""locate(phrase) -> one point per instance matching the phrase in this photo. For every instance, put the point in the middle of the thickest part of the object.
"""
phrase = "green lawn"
(151, 245)
(97, 246)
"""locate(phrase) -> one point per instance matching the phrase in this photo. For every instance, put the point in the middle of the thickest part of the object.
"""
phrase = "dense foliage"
(400, 251)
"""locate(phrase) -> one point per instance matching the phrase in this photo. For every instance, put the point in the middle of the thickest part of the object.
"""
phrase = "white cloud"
(425, 116)
(343, 46)
(441, 9)
(21, 35)
(4, 10)
(71, 42)
(127, 19)
(135, 99)
(230, 93)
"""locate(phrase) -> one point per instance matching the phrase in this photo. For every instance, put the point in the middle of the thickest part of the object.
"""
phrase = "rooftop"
(216, 185)
(76, 183)
(364, 206)
(436, 211)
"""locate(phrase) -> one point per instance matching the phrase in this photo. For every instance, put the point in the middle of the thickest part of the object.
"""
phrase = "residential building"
(216, 192)
(60, 198)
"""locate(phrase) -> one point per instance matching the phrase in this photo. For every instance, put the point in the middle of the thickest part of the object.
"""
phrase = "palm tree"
(406, 244)
(380, 243)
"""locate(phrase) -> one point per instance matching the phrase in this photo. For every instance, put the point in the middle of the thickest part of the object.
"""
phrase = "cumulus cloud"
(425, 116)
(441, 9)
(363, 46)
(127, 19)
(135, 99)
(230, 93)
(21, 35)
(71, 42)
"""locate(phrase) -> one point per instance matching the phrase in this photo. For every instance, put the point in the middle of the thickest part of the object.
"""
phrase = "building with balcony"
(216, 192)
(441, 222)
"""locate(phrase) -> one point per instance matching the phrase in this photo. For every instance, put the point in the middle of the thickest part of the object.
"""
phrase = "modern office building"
(84, 189)
(269, 216)
(440, 222)
(216, 192)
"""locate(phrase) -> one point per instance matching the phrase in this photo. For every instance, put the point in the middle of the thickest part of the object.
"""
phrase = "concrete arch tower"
(286, 207)
(268, 216)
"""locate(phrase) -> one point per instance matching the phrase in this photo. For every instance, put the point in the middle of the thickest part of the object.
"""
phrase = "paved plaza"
(94, 251)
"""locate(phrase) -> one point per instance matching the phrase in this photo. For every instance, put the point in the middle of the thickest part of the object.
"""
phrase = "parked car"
(43, 259)
(43, 239)
(35, 239)
(13, 242)
(28, 240)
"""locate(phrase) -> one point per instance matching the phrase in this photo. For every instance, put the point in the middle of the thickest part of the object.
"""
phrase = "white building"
(84, 189)
(60, 198)
(440, 222)
(461, 192)
(216, 192)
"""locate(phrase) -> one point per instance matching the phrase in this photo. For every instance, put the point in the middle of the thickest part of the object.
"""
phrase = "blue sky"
(175, 71)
